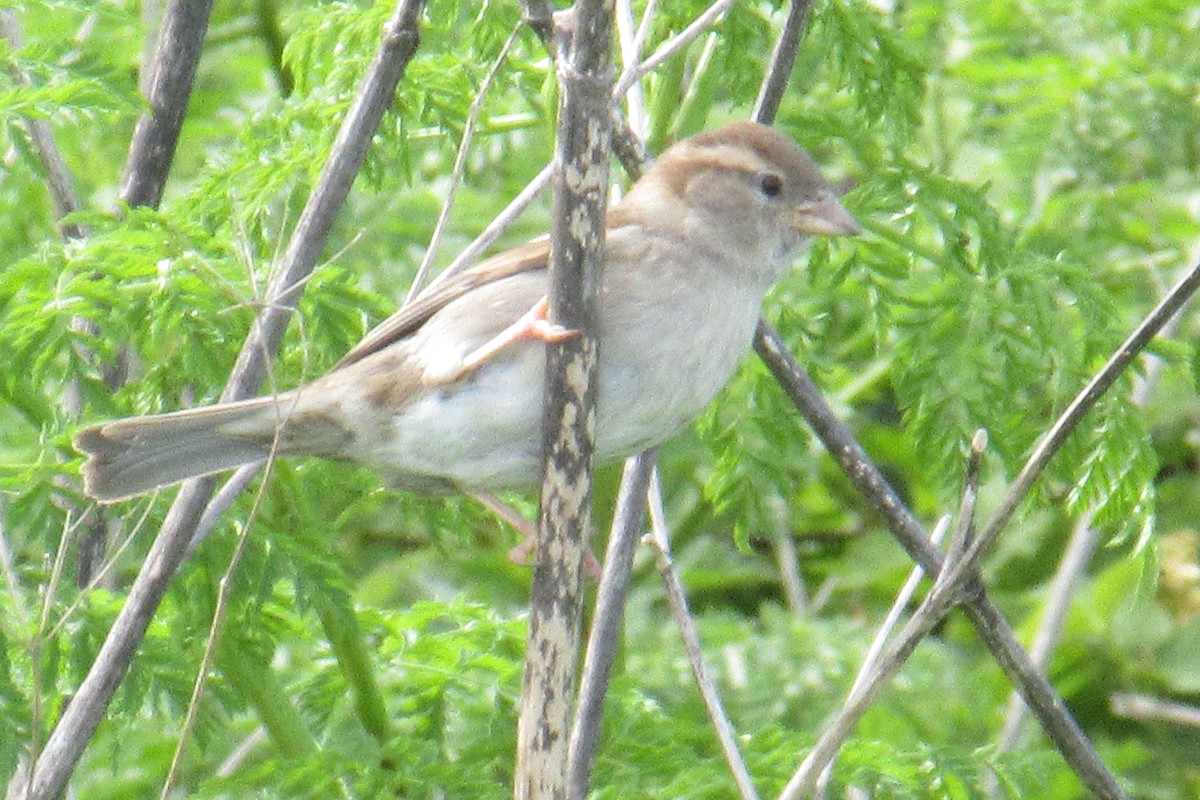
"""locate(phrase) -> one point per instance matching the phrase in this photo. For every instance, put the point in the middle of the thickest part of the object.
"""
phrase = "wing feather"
(528, 257)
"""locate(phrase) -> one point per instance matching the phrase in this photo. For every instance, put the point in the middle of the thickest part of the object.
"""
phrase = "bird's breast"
(662, 360)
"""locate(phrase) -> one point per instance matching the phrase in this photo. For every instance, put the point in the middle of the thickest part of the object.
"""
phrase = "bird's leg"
(523, 553)
(532, 325)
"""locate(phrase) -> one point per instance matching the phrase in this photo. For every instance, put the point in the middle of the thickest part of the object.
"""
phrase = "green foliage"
(1025, 176)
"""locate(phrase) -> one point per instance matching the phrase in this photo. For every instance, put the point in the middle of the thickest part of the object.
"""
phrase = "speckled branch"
(576, 258)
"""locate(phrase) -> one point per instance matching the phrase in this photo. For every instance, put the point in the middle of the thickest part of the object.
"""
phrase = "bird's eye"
(770, 184)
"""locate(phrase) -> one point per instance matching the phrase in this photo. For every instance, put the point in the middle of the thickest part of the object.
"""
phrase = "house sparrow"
(447, 393)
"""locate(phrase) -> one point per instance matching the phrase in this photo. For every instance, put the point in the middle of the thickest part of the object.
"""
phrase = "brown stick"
(576, 260)
(78, 723)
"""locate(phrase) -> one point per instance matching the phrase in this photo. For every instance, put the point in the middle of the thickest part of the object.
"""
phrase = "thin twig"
(100, 574)
(229, 492)
(1067, 577)
(1152, 709)
(582, 146)
(460, 165)
(871, 658)
(882, 666)
(635, 98)
(903, 598)
(964, 526)
(671, 46)
(661, 545)
(496, 228)
(606, 620)
(78, 722)
(240, 753)
(982, 612)
(1053, 440)
(775, 83)
(224, 590)
(787, 559)
(643, 31)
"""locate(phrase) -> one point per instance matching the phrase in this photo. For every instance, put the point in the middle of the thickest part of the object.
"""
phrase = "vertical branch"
(576, 253)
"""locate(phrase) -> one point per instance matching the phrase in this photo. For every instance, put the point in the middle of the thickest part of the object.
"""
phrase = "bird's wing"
(528, 257)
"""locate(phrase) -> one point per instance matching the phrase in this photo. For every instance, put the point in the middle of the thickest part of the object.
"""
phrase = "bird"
(446, 394)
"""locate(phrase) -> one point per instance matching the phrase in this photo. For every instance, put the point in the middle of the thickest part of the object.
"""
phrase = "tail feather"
(131, 456)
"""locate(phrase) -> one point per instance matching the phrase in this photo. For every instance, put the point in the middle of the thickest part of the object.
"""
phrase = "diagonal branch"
(460, 167)
(172, 75)
(873, 676)
(78, 723)
(991, 625)
(1054, 439)
(606, 620)
(775, 83)
(1075, 559)
(982, 612)
(58, 177)
(660, 543)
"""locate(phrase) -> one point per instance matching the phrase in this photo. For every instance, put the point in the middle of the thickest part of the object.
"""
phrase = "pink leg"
(532, 325)
(525, 550)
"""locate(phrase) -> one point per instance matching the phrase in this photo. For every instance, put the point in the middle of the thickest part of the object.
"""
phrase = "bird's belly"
(485, 432)
(481, 433)
(641, 404)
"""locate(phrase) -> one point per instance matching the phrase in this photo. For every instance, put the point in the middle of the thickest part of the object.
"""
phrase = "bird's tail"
(131, 456)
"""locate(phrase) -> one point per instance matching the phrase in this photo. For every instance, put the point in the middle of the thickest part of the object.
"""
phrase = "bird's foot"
(525, 552)
(533, 324)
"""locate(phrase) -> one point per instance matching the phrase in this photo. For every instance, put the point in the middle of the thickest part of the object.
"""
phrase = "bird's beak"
(825, 216)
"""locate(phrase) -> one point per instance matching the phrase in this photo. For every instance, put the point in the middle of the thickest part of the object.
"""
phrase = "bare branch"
(1062, 589)
(78, 722)
(726, 736)
(871, 658)
(877, 668)
(224, 589)
(576, 261)
(990, 623)
(1152, 709)
(1075, 559)
(672, 46)
(496, 228)
(156, 134)
(635, 98)
(775, 83)
(606, 620)
(964, 526)
(399, 43)
(787, 559)
(1065, 424)
(460, 165)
